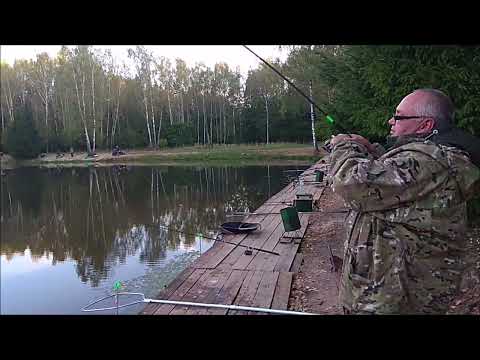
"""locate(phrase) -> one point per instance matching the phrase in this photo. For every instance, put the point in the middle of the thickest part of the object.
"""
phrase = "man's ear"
(428, 125)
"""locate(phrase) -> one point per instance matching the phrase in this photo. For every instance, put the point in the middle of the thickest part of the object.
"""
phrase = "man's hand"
(352, 137)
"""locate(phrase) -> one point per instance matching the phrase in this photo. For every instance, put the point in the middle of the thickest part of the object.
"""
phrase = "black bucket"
(304, 203)
(319, 175)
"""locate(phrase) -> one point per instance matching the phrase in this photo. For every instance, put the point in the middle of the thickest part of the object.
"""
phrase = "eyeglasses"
(399, 117)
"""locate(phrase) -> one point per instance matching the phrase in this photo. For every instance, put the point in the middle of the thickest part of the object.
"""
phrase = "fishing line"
(214, 239)
(328, 117)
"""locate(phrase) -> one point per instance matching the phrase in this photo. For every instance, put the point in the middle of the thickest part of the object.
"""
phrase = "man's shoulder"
(426, 148)
(412, 148)
(430, 157)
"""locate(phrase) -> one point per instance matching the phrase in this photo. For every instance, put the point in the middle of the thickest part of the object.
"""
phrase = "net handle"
(85, 308)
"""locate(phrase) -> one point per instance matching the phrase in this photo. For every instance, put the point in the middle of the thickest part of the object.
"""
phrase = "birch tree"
(43, 81)
(79, 63)
(143, 60)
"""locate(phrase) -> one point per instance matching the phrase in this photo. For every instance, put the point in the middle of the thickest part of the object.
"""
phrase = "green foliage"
(131, 138)
(180, 135)
(162, 143)
(23, 140)
(59, 143)
(370, 81)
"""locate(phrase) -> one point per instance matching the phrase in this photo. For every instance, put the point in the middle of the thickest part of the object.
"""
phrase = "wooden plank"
(199, 291)
(211, 293)
(278, 197)
(164, 309)
(266, 289)
(298, 234)
(282, 291)
(204, 259)
(275, 238)
(266, 224)
(245, 261)
(304, 221)
(239, 260)
(224, 250)
(229, 292)
(247, 291)
(165, 293)
(257, 263)
(215, 260)
(297, 262)
(210, 257)
(288, 254)
(242, 260)
(267, 262)
(197, 264)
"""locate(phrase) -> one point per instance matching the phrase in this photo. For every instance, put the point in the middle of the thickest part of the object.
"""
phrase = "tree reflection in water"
(100, 216)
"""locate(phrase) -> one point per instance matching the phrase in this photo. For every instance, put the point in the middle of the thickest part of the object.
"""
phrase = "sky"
(233, 55)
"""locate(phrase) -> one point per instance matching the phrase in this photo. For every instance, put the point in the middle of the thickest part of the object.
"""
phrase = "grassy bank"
(244, 154)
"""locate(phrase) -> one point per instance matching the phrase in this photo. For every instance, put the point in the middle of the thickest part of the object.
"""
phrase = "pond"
(68, 234)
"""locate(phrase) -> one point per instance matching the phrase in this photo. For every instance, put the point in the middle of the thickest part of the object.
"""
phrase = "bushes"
(131, 138)
(59, 143)
(23, 140)
(180, 135)
(163, 143)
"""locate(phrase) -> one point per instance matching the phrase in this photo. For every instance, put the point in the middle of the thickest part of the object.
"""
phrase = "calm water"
(69, 234)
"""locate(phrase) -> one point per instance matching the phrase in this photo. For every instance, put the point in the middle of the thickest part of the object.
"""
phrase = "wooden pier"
(226, 275)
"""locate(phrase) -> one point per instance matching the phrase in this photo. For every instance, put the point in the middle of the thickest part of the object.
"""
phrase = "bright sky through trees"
(233, 55)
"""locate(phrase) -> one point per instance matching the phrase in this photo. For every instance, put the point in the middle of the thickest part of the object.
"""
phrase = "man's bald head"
(434, 103)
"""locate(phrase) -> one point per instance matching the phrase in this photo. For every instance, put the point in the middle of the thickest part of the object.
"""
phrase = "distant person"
(71, 151)
(406, 234)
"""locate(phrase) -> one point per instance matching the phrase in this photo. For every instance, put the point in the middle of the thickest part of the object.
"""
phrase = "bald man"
(404, 252)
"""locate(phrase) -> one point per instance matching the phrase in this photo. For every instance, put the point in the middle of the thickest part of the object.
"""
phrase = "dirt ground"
(468, 300)
(315, 286)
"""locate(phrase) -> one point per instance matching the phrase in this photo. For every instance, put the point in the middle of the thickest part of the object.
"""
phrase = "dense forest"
(85, 99)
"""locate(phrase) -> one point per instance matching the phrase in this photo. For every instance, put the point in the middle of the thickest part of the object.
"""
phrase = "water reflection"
(99, 217)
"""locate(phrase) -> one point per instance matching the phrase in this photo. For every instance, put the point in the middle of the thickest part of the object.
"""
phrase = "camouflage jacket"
(405, 245)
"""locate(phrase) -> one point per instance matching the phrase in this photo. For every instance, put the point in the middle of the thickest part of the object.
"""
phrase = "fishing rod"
(214, 239)
(328, 117)
(250, 213)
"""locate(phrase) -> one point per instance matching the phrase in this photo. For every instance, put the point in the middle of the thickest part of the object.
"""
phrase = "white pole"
(231, 307)
(312, 116)
(186, 303)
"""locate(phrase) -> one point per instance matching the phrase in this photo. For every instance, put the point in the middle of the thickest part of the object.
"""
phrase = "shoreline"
(194, 155)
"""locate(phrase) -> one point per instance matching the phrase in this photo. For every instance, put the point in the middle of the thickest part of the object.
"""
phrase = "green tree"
(369, 81)
(180, 135)
(23, 140)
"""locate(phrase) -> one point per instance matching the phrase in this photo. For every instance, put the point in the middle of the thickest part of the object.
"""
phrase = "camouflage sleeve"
(379, 149)
(368, 184)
